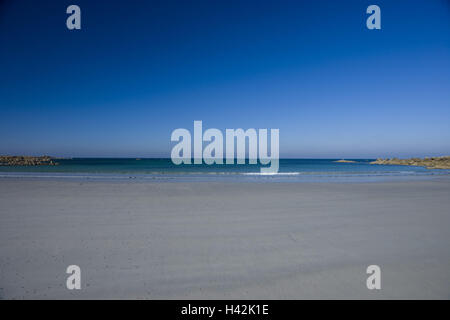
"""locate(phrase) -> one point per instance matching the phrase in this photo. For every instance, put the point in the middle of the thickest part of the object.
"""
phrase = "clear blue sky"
(139, 69)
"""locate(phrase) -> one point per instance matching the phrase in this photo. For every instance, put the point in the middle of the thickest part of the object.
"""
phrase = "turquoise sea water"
(294, 170)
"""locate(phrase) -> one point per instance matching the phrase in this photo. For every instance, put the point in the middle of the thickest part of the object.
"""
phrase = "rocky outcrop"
(27, 161)
(345, 161)
(430, 162)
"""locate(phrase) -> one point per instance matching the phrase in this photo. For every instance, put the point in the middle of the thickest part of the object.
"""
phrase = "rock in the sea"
(428, 162)
(345, 161)
(27, 161)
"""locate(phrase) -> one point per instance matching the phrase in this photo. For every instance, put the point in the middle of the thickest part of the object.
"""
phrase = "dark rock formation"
(430, 163)
(27, 161)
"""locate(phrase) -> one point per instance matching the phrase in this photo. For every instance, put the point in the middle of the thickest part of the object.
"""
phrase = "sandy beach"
(156, 240)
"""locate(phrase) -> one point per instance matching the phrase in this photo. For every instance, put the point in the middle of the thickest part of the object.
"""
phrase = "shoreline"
(325, 177)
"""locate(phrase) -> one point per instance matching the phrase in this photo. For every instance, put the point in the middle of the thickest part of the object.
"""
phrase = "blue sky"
(137, 70)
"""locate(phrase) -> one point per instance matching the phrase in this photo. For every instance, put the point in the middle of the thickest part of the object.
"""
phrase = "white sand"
(224, 240)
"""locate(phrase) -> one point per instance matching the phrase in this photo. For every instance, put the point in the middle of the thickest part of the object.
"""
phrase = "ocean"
(291, 170)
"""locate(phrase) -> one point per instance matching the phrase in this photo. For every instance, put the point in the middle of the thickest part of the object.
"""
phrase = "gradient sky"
(139, 69)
